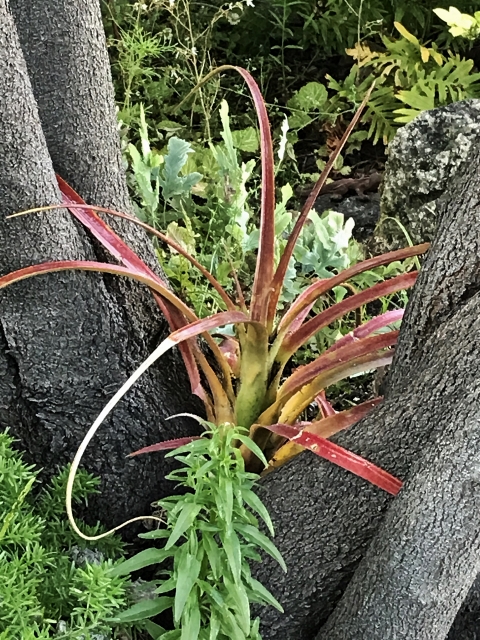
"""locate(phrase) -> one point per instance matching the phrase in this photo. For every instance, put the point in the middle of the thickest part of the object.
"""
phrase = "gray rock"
(365, 211)
(423, 158)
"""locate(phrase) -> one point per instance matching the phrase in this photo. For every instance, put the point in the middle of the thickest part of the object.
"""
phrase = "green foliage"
(211, 535)
(407, 73)
(221, 215)
(51, 584)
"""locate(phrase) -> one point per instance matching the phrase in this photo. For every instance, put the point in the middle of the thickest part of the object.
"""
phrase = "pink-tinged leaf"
(165, 446)
(317, 289)
(279, 275)
(98, 267)
(333, 423)
(266, 248)
(300, 319)
(340, 456)
(207, 324)
(367, 328)
(104, 231)
(230, 349)
(122, 252)
(294, 341)
(324, 405)
(265, 259)
(331, 360)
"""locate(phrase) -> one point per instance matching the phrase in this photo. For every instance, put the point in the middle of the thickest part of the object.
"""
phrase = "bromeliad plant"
(247, 387)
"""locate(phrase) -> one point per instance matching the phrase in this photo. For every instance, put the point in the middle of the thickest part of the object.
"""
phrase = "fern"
(411, 78)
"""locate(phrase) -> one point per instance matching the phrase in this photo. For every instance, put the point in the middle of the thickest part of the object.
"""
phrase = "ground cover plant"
(314, 63)
(52, 584)
(245, 391)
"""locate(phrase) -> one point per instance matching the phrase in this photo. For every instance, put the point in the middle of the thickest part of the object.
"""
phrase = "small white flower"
(249, 3)
(194, 51)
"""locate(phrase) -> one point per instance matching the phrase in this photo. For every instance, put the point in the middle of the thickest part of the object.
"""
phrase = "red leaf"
(311, 327)
(279, 276)
(164, 446)
(314, 291)
(367, 328)
(341, 357)
(324, 405)
(340, 456)
(122, 252)
(266, 248)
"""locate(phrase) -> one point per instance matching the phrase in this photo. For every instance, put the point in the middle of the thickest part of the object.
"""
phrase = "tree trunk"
(68, 341)
(326, 518)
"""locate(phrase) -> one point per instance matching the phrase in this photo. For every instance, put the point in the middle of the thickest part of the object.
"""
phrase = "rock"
(423, 158)
(365, 211)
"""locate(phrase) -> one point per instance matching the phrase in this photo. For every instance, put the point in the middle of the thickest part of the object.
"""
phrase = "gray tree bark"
(68, 341)
(326, 518)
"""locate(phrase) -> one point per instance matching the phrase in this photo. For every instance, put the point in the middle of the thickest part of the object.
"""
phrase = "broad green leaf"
(144, 609)
(246, 139)
(185, 520)
(240, 602)
(155, 630)
(264, 594)
(140, 560)
(214, 627)
(251, 534)
(188, 571)
(231, 545)
(191, 621)
(155, 534)
(311, 96)
(250, 444)
(213, 553)
(257, 505)
(168, 585)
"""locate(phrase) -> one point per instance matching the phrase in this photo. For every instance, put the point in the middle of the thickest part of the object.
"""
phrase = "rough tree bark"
(361, 565)
(68, 341)
(426, 431)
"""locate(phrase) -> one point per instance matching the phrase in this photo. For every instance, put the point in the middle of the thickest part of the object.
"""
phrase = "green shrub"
(51, 583)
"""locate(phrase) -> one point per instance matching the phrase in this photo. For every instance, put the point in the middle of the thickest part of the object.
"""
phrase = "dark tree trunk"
(68, 341)
(326, 518)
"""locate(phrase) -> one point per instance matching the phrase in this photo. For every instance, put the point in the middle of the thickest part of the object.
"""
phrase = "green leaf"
(264, 594)
(140, 560)
(214, 627)
(310, 97)
(240, 602)
(250, 444)
(214, 554)
(257, 505)
(225, 496)
(251, 534)
(246, 139)
(171, 182)
(168, 585)
(191, 621)
(188, 571)
(233, 630)
(171, 635)
(144, 609)
(155, 630)
(231, 545)
(212, 592)
(185, 520)
(155, 534)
